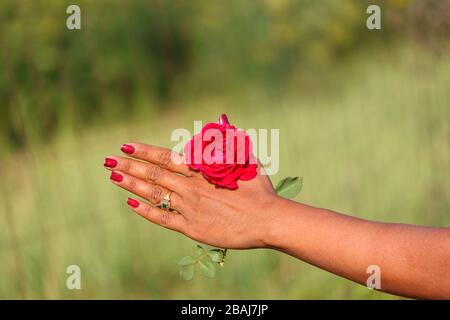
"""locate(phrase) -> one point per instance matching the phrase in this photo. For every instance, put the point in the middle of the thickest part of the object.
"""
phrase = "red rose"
(222, 153)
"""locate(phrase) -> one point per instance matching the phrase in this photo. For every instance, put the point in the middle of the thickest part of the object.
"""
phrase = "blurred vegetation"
(137, 55)
(375, 102)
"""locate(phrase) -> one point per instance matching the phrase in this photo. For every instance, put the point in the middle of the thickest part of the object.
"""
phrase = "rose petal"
(216, 170)
(249, 173)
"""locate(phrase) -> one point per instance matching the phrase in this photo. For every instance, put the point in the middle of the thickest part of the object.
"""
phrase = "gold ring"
(165, 203)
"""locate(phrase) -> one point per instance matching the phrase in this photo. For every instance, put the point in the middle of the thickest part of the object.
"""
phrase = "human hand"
(235, 219)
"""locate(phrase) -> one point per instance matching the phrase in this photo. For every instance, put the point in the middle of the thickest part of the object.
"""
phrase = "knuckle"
(156, 194)
(148, 173)
(132, 183)
(164, 158)
(153, 173)
(165, 218)
(148, 212)
(126, 166)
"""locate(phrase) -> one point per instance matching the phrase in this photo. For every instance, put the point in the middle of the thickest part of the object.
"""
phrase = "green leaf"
(289, 187)
(187, 271)
(216, 255)
(185, 261)
(207, 267)
(199, 250)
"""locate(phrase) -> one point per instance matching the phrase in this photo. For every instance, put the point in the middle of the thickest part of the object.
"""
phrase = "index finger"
(163, 157)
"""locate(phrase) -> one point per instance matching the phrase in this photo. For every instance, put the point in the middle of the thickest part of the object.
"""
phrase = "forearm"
(414, 261)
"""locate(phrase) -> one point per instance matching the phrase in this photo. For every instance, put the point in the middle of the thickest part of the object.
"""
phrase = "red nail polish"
(127, 148)
(117, 177)
(110, 163)
(133, 203)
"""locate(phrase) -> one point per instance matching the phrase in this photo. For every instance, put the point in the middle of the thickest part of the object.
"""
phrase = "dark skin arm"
(414, 261)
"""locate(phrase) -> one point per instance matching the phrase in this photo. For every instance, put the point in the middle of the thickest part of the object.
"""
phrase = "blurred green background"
(363, 117)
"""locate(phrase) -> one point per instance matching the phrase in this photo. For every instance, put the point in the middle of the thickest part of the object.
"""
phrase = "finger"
(147, 172)
(149, 191)
(162, 157)
(156, 215)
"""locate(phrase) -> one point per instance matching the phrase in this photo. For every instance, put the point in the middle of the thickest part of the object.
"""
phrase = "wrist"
(277, 222)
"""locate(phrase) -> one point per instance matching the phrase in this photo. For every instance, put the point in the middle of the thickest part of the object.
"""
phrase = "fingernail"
(110, 163)
(133, 203)
(117, 177)
(127, 148)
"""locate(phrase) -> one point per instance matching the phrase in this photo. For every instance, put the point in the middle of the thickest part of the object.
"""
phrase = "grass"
(377, 148)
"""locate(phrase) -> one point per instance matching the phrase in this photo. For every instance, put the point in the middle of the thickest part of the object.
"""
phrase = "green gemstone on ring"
(165, 205)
